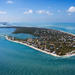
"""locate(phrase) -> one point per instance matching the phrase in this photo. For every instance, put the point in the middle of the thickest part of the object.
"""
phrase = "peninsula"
(56, 43)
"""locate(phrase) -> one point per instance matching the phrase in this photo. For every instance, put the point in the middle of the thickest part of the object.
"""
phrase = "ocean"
(17, 59)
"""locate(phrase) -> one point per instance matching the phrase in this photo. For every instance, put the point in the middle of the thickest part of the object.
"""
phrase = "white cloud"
(71, 9)
(49, 13)
(3, 12)
(40, 11)
(28, 12)
(44, 12)
(10, 2)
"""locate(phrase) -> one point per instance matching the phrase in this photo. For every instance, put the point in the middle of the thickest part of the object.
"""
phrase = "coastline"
(67, 55)
(67, 33)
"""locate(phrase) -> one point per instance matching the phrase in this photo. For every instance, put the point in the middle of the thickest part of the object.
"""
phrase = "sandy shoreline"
(68, 55)
(68, 33)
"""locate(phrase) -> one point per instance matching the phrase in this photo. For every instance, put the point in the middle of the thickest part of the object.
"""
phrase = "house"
(29, 40)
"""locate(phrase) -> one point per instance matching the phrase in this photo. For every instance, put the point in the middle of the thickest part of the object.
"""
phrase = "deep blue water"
(17, 59)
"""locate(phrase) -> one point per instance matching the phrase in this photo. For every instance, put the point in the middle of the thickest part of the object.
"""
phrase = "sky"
(37, 10)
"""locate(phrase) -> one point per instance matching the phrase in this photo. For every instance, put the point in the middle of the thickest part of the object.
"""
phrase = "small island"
(56, 43)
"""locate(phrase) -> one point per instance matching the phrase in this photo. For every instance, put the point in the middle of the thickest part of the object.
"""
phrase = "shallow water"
(17, 59)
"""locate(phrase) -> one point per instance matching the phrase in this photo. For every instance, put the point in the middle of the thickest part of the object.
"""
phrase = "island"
(54, 42)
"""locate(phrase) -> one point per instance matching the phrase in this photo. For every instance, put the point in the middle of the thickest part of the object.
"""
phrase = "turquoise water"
(17, 59)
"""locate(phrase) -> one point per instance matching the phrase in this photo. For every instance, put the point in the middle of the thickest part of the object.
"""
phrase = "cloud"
(44, 12)
(3, 12)
(30, 11)
(9, 2)
(71, 9)
(40, 11)
(49, 13)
